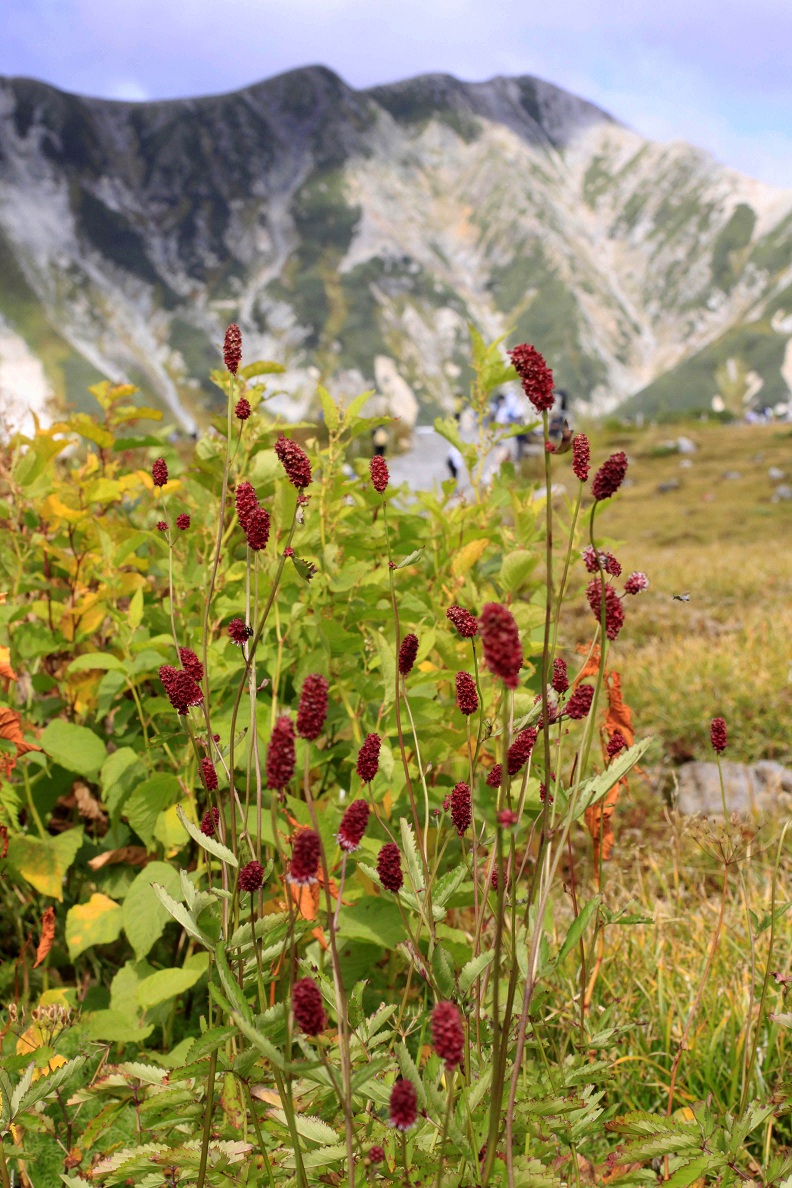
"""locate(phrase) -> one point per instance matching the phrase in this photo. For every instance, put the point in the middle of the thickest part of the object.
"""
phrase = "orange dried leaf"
(6, 671)
(11, 731)
(47, 936)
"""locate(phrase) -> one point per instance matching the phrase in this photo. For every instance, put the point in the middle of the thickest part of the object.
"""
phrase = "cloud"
(716, 72)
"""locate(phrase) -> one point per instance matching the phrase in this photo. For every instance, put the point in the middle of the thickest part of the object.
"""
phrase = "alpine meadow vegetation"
(306, 844)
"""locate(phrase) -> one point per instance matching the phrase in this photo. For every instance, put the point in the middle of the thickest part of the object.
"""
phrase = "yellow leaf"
(55, 508)
(97, 922)
(468, 555)
(6, 671)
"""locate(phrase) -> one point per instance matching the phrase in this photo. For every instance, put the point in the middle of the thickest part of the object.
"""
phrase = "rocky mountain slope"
(353, 234)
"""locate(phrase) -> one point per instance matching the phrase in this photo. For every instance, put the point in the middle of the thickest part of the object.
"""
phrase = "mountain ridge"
(354, 233)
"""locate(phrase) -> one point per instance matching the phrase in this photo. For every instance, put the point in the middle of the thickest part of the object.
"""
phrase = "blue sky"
(715, 72)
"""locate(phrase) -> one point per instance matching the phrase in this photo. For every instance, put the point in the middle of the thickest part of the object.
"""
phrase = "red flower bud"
(312, 709)
(378, 469)
(294, 461)
(232, 348)
(209, 774)
(239, 631)
(495, 777)
(616, 743)
(251, 877)
(560, 677)
(191, 664)
(257, 529)
(159, 472)
(281, 758)
(246, 502)
(718, 736)
(466, 694)
(614, 611)
(242, 410)
(581, 456)
(579, 703)
(610, 476)
(501, 642)
(407, 653)
(460, 807)
(403, 1105)
(304, 865)
(183, 522)
(368, 758)
(353, 825)
(209, 822)
(448, 1035)
(309, 1012)
(520, 751)
(464, 622)
(535, 376)
(181, 689)
(389, 867)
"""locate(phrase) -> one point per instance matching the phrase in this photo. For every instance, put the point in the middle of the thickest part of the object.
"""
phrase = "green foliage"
(187, 1050)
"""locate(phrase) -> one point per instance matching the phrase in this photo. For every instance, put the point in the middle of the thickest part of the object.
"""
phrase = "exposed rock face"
(343, 227)
(764, 787)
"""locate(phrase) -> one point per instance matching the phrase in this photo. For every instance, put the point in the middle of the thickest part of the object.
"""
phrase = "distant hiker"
(379, 440)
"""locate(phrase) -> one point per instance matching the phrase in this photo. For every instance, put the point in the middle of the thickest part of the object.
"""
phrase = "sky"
(717, 73)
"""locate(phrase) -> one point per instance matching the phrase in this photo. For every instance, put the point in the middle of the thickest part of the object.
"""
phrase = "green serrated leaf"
(210, 844)
(473, 969)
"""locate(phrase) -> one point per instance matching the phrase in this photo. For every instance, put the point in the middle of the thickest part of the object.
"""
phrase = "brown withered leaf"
(11, 731)
(47, 936)
(129, 855)
(87, 804)
(3, 841)
(618, 719)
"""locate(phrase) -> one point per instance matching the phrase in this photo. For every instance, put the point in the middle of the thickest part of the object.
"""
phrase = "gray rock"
(775, 474)
(732, 474)
(782, 493)
(764, 787)
(664, 488)
(686, 446)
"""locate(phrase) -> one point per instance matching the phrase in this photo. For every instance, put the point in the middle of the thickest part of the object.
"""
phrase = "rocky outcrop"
(764, 787)
(345, 228)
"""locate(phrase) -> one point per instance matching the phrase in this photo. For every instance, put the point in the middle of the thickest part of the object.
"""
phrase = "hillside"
(354, 233)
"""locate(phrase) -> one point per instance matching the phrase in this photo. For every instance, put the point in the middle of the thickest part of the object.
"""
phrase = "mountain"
(353, 234)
